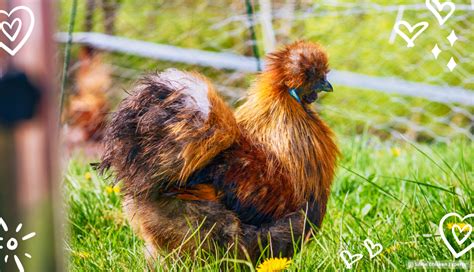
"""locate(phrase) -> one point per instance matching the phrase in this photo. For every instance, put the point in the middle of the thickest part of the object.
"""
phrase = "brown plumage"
(248, 181)
(88, 107)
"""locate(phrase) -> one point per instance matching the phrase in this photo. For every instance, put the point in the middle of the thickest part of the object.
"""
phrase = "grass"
(393, 193)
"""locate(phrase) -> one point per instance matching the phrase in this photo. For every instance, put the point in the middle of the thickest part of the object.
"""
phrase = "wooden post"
(29, 191)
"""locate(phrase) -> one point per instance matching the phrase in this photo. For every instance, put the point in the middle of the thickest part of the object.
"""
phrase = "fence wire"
(358, 36)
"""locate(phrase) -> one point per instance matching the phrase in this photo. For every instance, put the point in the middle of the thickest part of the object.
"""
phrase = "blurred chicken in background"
(88, 106)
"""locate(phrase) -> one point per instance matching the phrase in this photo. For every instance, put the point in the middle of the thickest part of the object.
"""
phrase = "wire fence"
(382, 86)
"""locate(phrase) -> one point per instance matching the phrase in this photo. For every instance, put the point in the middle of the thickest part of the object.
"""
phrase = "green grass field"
(395, 194)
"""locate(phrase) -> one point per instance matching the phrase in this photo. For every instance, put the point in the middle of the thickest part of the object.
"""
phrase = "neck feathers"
(298, 141)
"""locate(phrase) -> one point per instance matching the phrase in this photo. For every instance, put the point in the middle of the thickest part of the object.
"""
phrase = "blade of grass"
(422, 184)
(373, 184)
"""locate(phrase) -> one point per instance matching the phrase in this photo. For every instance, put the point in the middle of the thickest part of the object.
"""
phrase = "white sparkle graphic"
(451, 64)
(436, 51)
(452, 38)
(12, 244)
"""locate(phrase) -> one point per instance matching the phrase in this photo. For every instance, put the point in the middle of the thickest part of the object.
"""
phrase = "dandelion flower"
(83, 254)
(115, 189)
(395, 151)
(88, 176)
(109, 189)
(393, 248)
(460, 225)
(274, 265)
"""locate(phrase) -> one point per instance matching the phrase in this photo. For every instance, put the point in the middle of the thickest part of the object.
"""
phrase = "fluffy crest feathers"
(298, 63)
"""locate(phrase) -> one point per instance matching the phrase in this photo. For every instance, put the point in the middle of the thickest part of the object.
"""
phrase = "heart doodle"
(410, 41)
(439, 7)
(461, 230)
(351, 258)
(6, 32)
(460, 242)
(370, 246)
(13, 38)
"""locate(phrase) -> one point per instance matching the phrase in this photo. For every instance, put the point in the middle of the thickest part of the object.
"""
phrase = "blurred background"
(381, 86)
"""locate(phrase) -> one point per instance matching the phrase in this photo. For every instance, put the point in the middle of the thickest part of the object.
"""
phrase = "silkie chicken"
(87, 109)
(250, 182)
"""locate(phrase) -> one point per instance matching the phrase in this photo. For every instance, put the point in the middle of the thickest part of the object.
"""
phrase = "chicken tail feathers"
(172, 124)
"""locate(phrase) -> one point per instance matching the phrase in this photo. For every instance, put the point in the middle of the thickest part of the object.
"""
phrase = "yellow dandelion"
(460, 225)
(393, 248)
(395, 151)
(109, 189)
(82, 254)
(274, 265)
(115, 189)
(88, 176)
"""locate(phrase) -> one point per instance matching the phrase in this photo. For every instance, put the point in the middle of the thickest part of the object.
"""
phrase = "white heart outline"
(351, 256)
(440, 7)
(17, 32)
(410, 42)
(369, 245)
(445, 240)
(461, 230)
(15, 50)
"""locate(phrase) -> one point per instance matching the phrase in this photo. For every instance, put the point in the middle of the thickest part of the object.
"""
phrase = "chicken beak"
(327, 87)
(323, 86)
